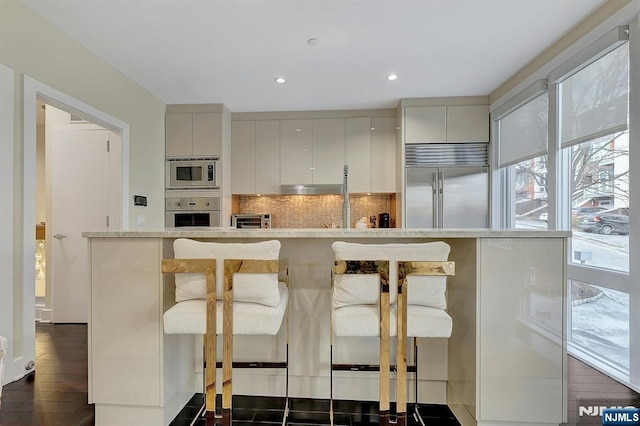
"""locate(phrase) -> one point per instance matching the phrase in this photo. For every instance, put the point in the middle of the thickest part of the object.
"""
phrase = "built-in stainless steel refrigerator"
(446, 186)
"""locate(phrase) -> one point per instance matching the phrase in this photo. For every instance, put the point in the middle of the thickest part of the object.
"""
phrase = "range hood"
(317, 189)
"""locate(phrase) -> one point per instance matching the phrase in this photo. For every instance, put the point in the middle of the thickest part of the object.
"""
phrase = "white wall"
(7, 282)
(32, 47)
(41, 190)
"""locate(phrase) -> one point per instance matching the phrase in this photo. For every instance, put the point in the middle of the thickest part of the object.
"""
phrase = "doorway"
(23, 307)
(78, 188)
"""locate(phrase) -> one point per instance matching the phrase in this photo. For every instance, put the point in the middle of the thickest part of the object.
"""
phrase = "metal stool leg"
(416, 413)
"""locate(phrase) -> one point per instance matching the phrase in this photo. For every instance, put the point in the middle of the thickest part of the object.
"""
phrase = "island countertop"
(227, 232)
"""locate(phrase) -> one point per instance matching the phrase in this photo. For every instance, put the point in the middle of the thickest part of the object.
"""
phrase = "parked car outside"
(587, 210)
(580, 212)
(605, 223)
(544, 217)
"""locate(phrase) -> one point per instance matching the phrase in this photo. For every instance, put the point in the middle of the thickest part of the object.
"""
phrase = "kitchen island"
(505, 362)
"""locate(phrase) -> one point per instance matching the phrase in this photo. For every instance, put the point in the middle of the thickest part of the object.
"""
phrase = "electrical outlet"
(140, 219)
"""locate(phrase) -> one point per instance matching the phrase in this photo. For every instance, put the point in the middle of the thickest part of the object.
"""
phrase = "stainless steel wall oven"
(192, 211)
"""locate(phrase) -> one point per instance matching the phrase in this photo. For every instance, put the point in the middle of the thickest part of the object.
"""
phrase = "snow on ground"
(602, 326)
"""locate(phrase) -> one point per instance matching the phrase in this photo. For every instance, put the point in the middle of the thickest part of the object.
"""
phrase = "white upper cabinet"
(268, 157)
(243, 157)
(255, 157)
(358, 153)
(296, 144)
(468, 123)
(425, 124)
(192, 134)
(273, 152)
(178, 135)
(440, 124)
(206, 133)
(328, 151)
(383, 154)
(371, 154)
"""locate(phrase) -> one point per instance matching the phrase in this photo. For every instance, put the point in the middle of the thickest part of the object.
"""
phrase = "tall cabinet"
(198, 131)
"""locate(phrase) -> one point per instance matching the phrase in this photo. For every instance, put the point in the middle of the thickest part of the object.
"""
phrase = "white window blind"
(594, 101)
(523, 132)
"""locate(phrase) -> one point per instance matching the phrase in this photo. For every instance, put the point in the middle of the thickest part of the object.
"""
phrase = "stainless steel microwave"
(189, 173)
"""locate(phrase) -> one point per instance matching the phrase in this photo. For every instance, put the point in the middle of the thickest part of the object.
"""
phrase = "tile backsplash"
(313, 211)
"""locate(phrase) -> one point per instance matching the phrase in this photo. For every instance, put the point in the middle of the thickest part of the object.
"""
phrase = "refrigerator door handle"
(440, 199)
(434, 204)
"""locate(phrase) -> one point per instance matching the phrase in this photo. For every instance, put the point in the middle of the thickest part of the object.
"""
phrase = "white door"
(80, 202)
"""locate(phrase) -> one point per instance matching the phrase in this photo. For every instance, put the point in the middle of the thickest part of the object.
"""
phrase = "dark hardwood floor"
(57, 393)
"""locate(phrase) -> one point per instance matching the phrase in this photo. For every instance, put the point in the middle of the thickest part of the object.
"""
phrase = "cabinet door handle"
(59, 236)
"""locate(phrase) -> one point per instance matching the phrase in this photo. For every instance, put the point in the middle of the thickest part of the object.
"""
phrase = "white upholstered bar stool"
(388, 290)
(229, 289)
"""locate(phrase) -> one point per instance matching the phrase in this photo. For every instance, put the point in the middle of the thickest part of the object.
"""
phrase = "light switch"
(139, 200)
(140, 219)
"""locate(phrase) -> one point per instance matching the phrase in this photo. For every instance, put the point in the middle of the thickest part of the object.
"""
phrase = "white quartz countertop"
(376, 233)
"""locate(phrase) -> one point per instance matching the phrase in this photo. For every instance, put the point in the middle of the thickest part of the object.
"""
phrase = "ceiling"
(230, 51)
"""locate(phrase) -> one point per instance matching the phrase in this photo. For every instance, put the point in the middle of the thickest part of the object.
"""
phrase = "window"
(600, 197)
(530, 193)
(594, 139)
(523, 135)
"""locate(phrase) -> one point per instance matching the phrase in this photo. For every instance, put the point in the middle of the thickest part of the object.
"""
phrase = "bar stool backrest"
(251, 288)
(358, 289)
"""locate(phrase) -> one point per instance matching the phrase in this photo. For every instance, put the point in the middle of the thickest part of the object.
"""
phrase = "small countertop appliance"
(384, 220)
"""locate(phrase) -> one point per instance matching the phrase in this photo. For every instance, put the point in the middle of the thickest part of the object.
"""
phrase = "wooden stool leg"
(227, 349)
(401, 378)
(210, 345)
(384, 354)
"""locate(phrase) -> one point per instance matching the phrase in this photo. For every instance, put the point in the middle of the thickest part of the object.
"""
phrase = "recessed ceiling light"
(392, 77)
(312, 41)
(280, 80)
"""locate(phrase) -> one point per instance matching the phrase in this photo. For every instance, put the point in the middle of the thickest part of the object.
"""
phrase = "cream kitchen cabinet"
(440, 124)
(358, 153)
(311, 151)
(468, 123)
(243, 157)
(425, 124)
(268, 157)
(267, 153)
(296, 150)
(192, 134)
(255, 157)
(328, 151)
(371, 154)
(383, 154)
